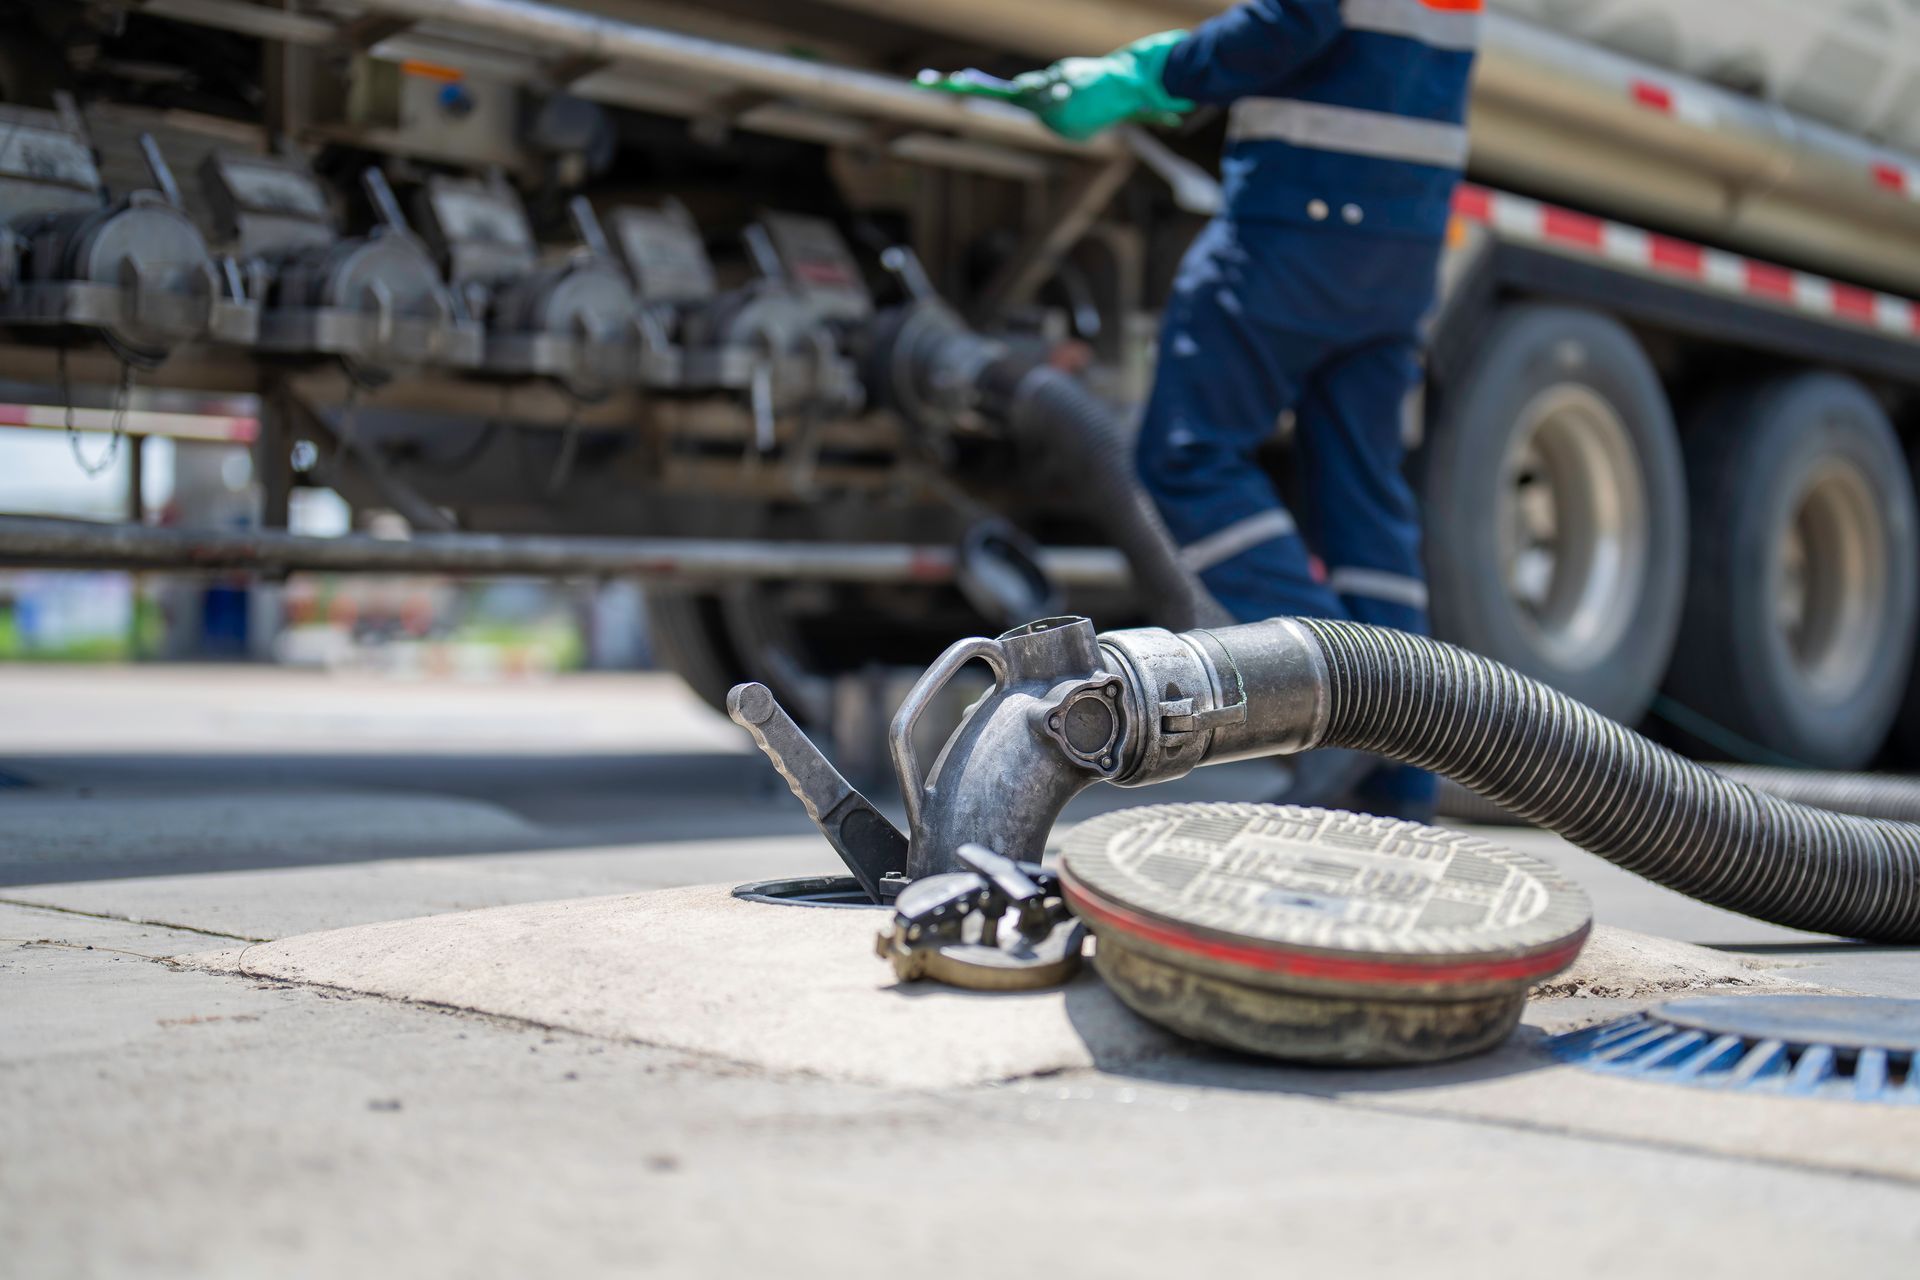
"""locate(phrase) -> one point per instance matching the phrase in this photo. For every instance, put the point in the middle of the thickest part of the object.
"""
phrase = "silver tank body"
(1795, 113)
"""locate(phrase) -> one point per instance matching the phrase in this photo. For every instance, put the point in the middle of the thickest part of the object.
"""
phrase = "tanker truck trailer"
(636, 287)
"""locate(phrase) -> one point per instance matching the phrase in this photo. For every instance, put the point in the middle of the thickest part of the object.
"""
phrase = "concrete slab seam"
(134, 920)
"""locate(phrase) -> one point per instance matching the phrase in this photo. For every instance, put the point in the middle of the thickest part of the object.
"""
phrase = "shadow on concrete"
(1224, 1069)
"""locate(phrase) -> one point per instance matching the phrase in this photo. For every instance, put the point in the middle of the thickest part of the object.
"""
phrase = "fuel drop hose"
(1555, 763)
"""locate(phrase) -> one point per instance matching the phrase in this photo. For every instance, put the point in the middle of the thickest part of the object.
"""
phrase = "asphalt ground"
(157, 1118)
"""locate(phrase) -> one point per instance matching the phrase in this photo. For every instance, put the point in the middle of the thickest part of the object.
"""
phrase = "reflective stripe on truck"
(1525, 221)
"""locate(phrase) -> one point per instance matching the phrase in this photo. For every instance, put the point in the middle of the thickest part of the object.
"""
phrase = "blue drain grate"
(1859, 1048)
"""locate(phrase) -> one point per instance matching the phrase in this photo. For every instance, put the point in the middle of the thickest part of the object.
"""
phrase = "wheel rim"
(1830, 580)
(1573, 525)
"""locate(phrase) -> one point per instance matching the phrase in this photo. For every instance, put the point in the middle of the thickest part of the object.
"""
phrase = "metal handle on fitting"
(906, 764)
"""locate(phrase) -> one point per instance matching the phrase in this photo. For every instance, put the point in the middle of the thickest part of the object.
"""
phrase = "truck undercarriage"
(627, 294)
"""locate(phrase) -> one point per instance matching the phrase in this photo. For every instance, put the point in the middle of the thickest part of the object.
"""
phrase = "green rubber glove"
(1079, 97)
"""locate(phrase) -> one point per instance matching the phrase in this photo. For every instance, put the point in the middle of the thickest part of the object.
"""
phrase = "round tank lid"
(1286, 896)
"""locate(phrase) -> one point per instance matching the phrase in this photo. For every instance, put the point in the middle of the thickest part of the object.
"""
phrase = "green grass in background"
(145, 636)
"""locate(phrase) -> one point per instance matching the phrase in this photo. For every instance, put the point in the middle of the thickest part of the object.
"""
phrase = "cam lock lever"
(953, 927)
(873, 849)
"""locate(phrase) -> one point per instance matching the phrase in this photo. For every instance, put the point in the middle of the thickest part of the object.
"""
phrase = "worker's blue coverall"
(1306, 295)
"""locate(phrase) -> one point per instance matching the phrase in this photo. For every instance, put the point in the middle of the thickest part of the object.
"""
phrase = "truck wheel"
(716, 639)
(1556, 508)
(1902, 751)
(1800, 623)
(690, 639)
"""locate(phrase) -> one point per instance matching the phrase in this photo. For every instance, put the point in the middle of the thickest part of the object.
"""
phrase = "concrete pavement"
(160, 1119)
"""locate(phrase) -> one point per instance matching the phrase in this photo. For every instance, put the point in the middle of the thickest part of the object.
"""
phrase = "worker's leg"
(1359, 512)
(1223, 380)
(1357, 509)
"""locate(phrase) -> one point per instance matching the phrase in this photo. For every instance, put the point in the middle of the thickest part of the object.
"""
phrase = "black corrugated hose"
(1088, 446)
(1560, 765)
(1866, 794)
(923, 362)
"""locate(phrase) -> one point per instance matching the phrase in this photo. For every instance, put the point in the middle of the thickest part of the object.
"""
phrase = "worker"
(1303, 301)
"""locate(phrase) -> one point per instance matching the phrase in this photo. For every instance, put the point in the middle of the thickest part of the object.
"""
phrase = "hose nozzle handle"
(873, 848)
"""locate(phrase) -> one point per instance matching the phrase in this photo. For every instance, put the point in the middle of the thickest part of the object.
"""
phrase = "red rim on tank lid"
(1315, 935)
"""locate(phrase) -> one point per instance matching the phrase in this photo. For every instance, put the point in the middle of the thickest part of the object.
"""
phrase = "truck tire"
(716, 639)
(1902, 750)
(690, 639)
(1800, 623)
(1556, 520)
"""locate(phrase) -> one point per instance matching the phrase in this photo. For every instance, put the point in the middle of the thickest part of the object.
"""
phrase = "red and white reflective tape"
(1517, 218)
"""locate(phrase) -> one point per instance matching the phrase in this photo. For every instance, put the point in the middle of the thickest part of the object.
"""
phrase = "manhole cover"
(1860, 1047)
(1319, 936)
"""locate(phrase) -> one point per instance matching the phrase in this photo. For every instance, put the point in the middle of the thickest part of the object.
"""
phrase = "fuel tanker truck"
(713, 297)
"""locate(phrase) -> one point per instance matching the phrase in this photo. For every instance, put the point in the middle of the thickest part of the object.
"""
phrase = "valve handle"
(160, 171)
(766, 258)
(386, 205)
(586, 225)
(873, 849)
(905, 266)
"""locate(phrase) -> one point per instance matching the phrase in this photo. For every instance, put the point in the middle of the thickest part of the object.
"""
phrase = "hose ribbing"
(1560, 765)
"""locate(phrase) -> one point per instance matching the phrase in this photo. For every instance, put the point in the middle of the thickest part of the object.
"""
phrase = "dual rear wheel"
(1799, 628)
(1760, 569)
